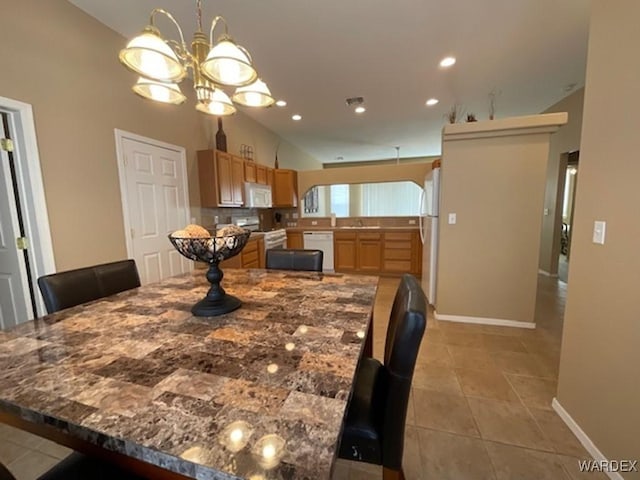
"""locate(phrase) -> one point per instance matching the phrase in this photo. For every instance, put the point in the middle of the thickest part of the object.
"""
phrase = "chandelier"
(162, 64)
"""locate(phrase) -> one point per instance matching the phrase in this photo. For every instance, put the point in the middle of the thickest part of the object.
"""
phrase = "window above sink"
(384, 199)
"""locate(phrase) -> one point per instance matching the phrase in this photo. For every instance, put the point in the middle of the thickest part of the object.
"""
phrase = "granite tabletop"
(257, 393)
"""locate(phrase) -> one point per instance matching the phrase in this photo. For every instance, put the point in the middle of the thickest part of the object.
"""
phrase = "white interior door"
(156, 204)
(13, 273)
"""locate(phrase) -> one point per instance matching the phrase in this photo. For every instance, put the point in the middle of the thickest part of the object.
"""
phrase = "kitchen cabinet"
(270, 180)
(344, 251)
(261, 174)
(381, 252)
(250, 172)
(294, 240)
(221, 177)
(251, 256)
(402, 252)
(369, 252)
(285, 188)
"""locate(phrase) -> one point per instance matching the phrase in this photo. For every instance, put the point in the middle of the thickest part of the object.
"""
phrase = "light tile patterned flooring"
(480, 405)
(481, 400)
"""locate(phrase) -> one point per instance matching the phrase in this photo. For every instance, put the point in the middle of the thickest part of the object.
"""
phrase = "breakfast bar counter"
(260, 392)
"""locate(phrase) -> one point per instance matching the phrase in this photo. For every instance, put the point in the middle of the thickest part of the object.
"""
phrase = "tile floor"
(480, 405)
(481, 400)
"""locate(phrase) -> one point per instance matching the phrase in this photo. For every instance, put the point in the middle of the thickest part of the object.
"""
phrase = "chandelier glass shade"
(159, 91)
(255, 95)
(162, 64)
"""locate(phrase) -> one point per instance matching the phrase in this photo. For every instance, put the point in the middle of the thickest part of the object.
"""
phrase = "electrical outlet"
(546, 211)
(412, 222)
(452, 219)
(314, 222)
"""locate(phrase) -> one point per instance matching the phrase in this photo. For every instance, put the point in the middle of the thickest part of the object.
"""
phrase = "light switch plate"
(452, 219)
(546, 211)
(599, 229)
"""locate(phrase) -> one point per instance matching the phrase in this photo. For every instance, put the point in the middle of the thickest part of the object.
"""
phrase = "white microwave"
(257, 195)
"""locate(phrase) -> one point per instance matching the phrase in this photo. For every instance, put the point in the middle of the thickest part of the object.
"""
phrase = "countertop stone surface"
(411, 228)
(259, 391)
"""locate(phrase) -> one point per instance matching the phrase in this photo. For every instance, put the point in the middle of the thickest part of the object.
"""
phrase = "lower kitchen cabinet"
(344, 251)
(369, 257)
(402, 252)
(251, 256)
(381, 252)
(294, 240)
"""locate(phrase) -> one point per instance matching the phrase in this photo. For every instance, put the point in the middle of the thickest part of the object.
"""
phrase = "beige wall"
(64, 63)
(240, 129)
(565, 140)
(598, 383)
(414, 172)
(488, 260)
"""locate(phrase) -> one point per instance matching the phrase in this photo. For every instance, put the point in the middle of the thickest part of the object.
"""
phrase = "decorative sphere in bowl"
(210, 249)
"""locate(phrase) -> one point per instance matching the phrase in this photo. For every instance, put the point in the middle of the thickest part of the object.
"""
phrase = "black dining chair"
(74, 287)
(375, 422)
(294, 259)
(78, 467)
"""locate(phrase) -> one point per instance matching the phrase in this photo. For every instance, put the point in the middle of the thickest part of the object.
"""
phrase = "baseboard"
(582, 437)
(547, 274)
(500, 322)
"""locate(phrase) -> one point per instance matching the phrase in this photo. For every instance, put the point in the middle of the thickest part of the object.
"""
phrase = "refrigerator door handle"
(421, 220)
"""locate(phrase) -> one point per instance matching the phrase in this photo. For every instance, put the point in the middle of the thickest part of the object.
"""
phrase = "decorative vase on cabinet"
(221, 138)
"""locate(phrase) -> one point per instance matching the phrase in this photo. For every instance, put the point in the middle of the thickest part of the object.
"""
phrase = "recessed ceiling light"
(360, 109)
(447, 62)
(431, 102)
(296, 117)
(281, 103)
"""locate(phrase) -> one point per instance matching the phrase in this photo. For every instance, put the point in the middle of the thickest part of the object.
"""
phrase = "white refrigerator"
(429, 209)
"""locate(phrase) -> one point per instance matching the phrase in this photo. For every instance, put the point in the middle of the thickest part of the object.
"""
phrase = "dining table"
(137, 379)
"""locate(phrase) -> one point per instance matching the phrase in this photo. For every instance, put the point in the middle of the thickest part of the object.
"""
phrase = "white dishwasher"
(321, 240)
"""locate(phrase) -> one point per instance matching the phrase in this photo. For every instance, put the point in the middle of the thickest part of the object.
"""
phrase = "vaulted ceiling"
(314, 55)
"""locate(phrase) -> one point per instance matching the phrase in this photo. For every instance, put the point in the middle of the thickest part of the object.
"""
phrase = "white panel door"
(156, 200)
(13, 273)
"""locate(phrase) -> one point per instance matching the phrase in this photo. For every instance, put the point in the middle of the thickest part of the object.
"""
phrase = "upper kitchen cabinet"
(285, 188)
(262, 175)
(221, 179)
(250, 171)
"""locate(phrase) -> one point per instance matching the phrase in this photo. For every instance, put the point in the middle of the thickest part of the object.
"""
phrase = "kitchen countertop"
(411, 228)
(137, 374)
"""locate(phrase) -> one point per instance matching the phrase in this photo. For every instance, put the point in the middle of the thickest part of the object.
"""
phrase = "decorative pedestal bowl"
(212, 250)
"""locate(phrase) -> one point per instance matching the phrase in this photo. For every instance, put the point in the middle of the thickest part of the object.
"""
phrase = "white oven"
(275, 239)
(272, 238)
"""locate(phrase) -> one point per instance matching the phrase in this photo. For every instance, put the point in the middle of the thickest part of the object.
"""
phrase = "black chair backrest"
(5, 474)
(407, 323)
(74, 287)
(295, 259)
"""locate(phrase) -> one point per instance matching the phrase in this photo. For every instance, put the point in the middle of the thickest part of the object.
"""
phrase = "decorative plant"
(492, 102)
(471, 117)
(455, 112)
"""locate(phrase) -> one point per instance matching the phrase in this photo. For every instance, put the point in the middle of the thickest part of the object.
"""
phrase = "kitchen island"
(259, 392)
